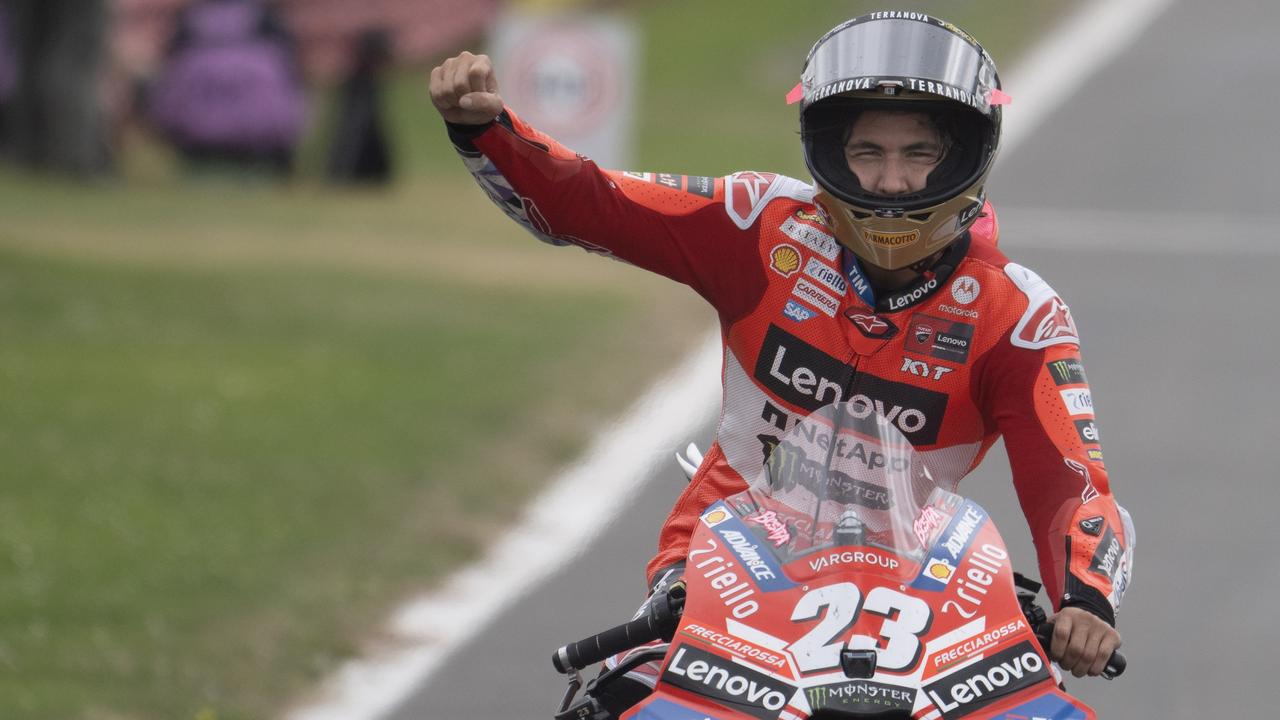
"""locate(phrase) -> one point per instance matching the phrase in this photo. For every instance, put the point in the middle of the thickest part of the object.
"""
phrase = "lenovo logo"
(987, 680)
(730, 684)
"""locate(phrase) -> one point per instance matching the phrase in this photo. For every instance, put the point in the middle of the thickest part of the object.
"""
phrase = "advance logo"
(734, 686)
(988, 680)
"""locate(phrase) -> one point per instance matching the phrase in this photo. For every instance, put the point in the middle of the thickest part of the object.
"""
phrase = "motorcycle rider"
(881, 284)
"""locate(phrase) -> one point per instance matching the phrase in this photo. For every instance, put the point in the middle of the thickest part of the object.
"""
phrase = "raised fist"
(465, 90)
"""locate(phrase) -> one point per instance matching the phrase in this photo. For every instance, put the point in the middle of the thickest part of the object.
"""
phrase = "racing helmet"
(900, 62)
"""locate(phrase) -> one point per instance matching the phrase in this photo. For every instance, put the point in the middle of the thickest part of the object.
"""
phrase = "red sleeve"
(1040, 400)
(674, 225)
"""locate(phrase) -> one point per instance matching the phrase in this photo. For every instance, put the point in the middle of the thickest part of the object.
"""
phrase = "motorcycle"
(843, 583)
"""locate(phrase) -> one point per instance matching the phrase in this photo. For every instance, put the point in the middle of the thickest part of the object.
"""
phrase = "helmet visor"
(915, 51)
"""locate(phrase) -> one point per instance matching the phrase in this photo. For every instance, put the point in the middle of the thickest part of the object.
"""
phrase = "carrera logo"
(940, 338)
(734, 686)
(1067, 371)
(806, 290)
(987, 680)
(784, 260)
(808, 378)
(890, 239)
(870, 325)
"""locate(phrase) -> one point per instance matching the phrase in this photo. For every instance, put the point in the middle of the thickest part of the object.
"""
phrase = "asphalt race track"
(1149, 202)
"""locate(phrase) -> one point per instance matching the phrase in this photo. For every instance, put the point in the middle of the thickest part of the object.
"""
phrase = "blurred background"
(271, 364)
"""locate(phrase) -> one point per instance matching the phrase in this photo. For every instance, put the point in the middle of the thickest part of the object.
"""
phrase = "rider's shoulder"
(748, 192)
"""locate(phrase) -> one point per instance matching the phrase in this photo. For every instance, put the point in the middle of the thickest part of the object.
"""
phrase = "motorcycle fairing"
(952, 642)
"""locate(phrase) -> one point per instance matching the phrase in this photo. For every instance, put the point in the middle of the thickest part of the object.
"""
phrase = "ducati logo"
(871, 325)
(923, 332)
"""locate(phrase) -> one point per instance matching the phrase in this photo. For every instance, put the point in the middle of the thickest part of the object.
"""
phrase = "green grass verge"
(238, 422)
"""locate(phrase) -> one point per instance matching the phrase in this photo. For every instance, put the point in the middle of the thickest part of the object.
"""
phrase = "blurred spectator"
(230, 90)
(359, 152)
(54, 118)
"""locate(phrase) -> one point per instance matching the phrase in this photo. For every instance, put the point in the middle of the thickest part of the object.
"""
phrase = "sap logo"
(797, 312)
(732, 685)
(922, 369)
(986, 681)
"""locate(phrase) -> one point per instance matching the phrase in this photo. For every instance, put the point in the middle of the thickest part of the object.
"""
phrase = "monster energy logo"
(1068, 371)
(860, 696)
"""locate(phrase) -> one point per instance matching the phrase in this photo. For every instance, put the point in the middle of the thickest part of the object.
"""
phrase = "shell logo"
(785, 260)
(715, 517)
(939, 570)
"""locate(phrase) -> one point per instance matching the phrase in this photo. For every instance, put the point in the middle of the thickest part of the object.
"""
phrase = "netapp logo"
(986, 681)
(809, 378)
(734, 686)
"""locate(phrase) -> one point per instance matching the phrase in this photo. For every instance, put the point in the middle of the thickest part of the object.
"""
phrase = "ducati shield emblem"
(871, 325)
(922, 333)
(1092, 526)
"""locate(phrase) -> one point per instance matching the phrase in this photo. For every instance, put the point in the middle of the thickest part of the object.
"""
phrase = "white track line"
(424, 633)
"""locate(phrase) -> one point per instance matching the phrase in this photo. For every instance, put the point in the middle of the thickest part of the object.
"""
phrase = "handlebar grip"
(591, 650)
(1116, 664)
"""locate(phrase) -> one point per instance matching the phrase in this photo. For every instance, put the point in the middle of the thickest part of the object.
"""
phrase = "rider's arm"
(1040, 400)
(673, 225)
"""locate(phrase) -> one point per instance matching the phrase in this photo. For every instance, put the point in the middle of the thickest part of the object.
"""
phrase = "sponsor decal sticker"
(1093, 525)
(1088, 431)
(1094, 454)
(784, 260)
(910, 297)
(700, 185)
(1078, 401)
(826, 275)
(939, 569)
(808, 378)
(930, 522)
(807, 291)
(1045, 707)
(866, 557)
(759, 562)
(962, 312)
(861, 697)
(811, 237)
(735, 594)
(646, 177)
(739, 647)
(775, 526)
(1106, 561)
(891, 239)
(1067, 371)
(965, 289)
(982, 683)
(733, 685)
(658, 708)
(797, 312)
(939, 338)
(816, 218)
(975, 644)
(1047, 320)
(951, 546)
(870, 325)
(675, 182)
(920, 368)
(716, 516)
(976, 574)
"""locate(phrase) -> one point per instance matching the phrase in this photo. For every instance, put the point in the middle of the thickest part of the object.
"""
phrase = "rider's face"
(892, 153)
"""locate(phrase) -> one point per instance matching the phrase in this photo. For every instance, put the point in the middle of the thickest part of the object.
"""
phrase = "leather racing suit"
(976, 348)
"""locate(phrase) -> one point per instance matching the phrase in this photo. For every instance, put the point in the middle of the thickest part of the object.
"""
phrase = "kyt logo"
(987, 680)
(921, 369)
(732, 685)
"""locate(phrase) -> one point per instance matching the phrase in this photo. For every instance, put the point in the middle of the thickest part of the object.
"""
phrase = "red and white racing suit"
(977, 348)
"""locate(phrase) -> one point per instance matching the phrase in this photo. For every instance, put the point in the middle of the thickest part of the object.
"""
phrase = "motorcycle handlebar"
(658, 623)
(1115, 665)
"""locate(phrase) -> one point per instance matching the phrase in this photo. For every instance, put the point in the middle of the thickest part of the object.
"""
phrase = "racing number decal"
(819, 649)
(906, 619)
